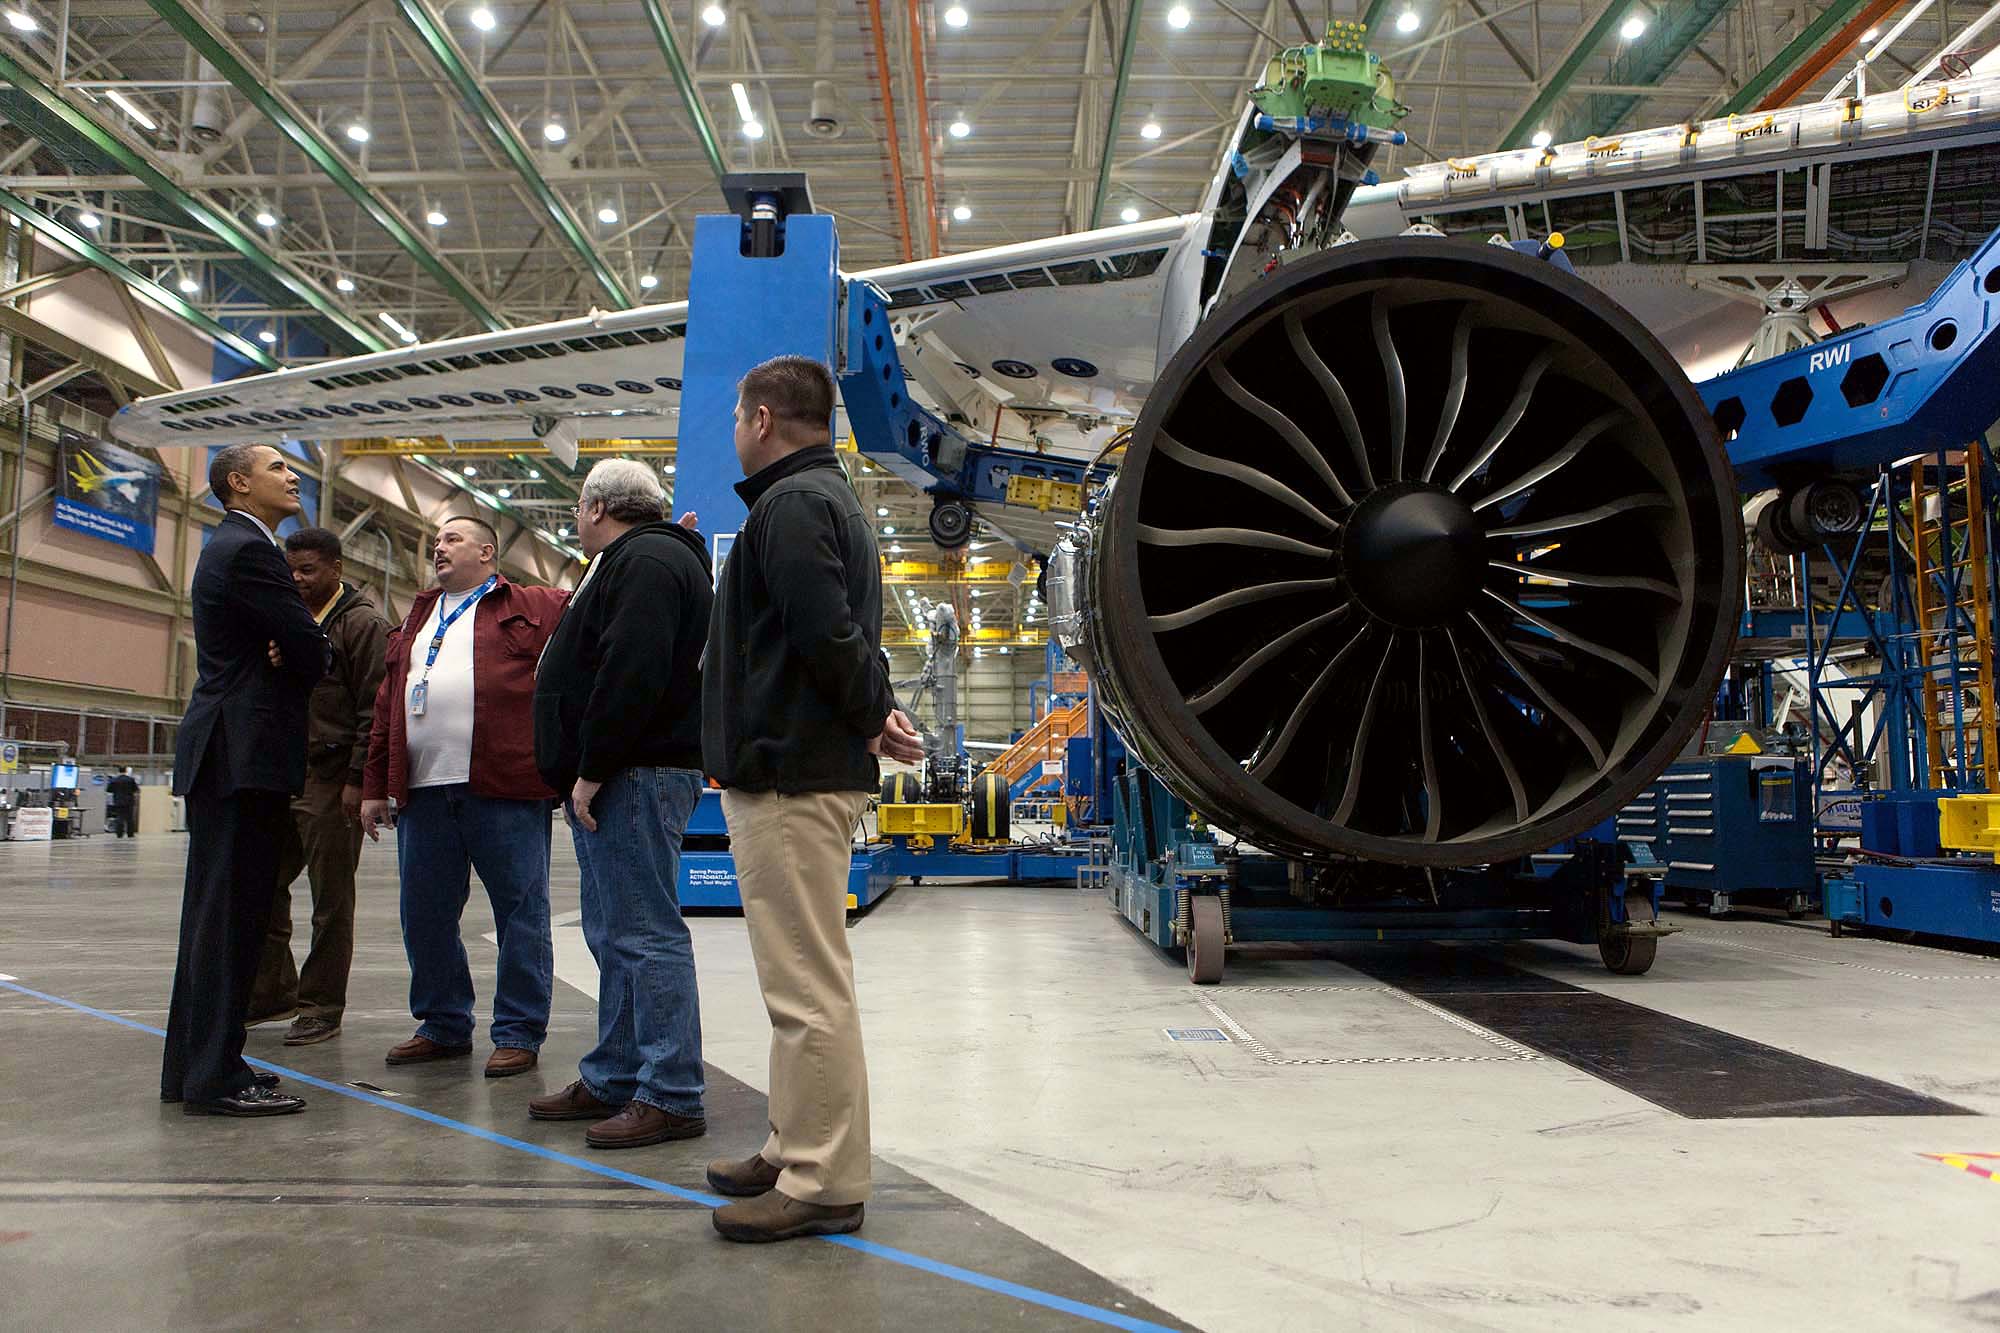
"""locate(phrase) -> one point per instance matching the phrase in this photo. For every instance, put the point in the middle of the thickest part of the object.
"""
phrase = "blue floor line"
(951, 1272)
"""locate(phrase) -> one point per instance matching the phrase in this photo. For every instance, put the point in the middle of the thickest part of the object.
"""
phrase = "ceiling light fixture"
(125, 104)
(888, 531)
(607, 215)
(648, 281)
(960, 128)
(22, 22)
(357, 132)
(534, 474)
(742, 96)
(436, 217)
(1871, 34)
(482, 19)
(553, 131)
(753, 129)
(89, 219)
(1407, 21)
(715, 16)
(471, 471)
(881, 511)
(956, 17)
(266, 218)
(1130, 214)
(1631, 29)
(1150, 130)
(266, 337)
(1542, 139)
(189, 286)
(505, 492)
(397, 327)
(963, 213)
(668, 469)
(343, 284)
(1178, 17)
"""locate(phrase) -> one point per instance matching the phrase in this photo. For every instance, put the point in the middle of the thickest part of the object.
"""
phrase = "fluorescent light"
(1178, 17)
(1871, 34)
(607, 215)
(553, 131)
(482, 19)
(358, 132)
(1542, 139)
(1130, 214)
(963, 213)
(742, 96)
(714, 16)
(343, 284)
(960, 128)
(956, 17)
(22, 22)
(1150, 130)
(266, 218)
(125, 104)
(1631, 29)
(409, 336)
(86, 218)
(1407, 21)
(436, 217)
(397, 327)
(189, 286)
(266, 337)
(648, 281)
(753, 129)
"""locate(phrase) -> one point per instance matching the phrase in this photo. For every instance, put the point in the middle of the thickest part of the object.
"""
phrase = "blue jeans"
(648, 1013)
(442, 835)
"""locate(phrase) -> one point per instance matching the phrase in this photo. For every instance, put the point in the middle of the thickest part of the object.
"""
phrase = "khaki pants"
(326, 844)
(792, 855)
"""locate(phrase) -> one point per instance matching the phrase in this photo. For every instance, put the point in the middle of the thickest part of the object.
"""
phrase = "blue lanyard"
(446, 622)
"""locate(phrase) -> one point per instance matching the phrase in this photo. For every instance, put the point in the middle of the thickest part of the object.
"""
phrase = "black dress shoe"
(260, 1078)
(252, 1100)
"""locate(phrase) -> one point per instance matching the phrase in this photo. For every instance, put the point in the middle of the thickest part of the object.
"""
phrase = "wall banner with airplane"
(105, 491)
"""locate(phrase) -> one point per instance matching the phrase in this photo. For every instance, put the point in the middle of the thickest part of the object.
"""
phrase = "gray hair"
(630, 491)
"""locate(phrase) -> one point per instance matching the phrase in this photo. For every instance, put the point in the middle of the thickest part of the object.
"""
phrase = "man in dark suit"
(239, 758)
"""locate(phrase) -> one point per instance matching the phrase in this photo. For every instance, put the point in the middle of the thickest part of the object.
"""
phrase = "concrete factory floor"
(1382, 1143)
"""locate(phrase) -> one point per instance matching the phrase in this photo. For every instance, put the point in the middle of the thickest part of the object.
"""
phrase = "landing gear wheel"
(1630, 955)
(951, 524)
(1205, 947)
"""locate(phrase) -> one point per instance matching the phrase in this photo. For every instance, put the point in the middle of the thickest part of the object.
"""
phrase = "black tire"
(902, 789)
(951, 524)
(992, 808)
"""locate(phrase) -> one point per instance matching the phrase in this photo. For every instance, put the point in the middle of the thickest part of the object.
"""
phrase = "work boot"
(639, 1125)
(308, 1031)
(575, 1102)
(742, 1180)
(422, 1050)
(507, 1061)
(776, 1216)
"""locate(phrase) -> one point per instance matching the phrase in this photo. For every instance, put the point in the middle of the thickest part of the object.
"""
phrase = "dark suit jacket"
(254, 713)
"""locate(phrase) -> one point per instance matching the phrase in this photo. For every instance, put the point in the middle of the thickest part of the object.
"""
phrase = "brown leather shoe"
(575, 1102)
(742, 1180)
(507, 1061)
(422, 1050)
(639, 1124)
(774, 1216)
(310, 1031)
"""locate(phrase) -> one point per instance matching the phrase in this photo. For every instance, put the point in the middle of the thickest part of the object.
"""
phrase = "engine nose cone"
(1414, 555)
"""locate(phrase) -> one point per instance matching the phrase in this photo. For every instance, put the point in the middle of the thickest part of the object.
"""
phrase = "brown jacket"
(342, 711)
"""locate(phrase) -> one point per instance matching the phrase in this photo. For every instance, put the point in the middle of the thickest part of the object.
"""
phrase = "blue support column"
(743, 311)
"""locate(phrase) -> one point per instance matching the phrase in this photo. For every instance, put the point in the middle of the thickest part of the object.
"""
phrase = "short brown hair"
(794, 388)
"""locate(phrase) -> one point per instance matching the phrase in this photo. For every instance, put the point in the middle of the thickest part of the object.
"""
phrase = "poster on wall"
(105, 491)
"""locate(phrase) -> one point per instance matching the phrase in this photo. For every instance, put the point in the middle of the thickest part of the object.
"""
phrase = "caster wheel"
(1630, 955)
(951, 524)
(1205, 947)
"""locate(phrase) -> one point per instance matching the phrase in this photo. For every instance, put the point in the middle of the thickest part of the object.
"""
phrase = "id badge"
(420, 696)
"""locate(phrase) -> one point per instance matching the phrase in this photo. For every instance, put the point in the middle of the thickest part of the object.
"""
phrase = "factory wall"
(993, 691)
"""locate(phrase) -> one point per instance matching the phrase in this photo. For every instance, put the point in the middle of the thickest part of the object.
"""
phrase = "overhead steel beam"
(704, 128)
(1126, 46)
(1673, 33)
(1559, 82)
(1371, 17)
(1836, 46)
(21, 324)
(203, 214)
(437, 41)
(137, 281)
(282, 112)
(1810, 37)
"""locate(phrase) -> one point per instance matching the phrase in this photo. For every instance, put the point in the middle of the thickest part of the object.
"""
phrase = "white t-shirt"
(440, 741)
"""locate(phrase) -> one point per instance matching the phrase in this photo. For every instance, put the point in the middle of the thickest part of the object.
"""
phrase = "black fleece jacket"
(795, 686)
(619, 685)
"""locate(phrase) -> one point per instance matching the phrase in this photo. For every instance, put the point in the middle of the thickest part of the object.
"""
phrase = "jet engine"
(1421, 552)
